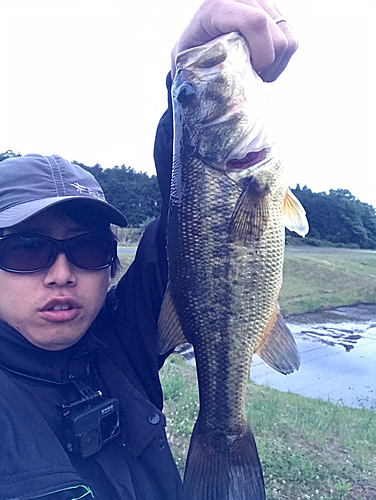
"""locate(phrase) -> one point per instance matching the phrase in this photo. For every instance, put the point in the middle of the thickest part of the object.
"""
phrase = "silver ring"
(280, 19)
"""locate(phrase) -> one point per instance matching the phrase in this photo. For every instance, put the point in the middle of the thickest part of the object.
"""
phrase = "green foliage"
(337, 218)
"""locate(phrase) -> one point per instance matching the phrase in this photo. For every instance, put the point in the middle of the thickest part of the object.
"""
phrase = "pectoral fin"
(170, 332)
(250, 215)
(294, 216)
(278, 348)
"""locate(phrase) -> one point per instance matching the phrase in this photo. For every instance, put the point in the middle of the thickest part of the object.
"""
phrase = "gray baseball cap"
(29, 184)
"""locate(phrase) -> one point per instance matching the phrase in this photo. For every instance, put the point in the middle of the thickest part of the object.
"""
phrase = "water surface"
(338, 357)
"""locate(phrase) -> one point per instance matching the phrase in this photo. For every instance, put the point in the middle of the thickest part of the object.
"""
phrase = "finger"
(283, 52)
(271, 44)
(254, 24)
(256, 30)
(285, 47)
(284, 40)
(227, 16)
(280, 44)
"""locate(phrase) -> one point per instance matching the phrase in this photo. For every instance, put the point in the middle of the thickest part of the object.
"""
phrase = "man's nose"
(61, 273)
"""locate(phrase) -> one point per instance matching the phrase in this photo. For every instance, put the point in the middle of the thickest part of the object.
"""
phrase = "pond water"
(338, 357)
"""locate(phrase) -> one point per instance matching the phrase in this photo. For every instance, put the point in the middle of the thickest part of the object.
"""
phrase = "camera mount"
(90, 421)
(89, 398)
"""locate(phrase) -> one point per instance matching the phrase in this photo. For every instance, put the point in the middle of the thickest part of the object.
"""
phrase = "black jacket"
(116, 356)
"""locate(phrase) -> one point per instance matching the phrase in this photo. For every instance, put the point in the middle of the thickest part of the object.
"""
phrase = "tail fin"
(231, 473)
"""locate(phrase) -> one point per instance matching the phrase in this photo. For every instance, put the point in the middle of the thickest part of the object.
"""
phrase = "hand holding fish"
(269, 36)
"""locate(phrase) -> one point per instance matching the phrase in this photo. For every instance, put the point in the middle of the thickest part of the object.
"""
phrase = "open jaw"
(249, 160)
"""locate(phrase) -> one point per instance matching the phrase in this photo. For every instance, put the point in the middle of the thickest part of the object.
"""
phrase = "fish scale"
(225, 246)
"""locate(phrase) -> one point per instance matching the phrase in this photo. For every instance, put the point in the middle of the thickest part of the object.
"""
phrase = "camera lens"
(90, 441)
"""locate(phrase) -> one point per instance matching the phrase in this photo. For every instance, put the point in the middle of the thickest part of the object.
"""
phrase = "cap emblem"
(85, 190)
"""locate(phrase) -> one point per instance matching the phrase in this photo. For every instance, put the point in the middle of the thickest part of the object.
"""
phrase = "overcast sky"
(85, 79)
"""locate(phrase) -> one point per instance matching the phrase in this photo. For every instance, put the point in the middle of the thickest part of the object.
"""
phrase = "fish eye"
(185, 92)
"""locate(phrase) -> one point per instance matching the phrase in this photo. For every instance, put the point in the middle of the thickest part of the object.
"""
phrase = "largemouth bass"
(225, 242)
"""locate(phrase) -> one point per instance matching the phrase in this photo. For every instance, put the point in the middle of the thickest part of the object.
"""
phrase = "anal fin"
(170, 332)
(278, 347)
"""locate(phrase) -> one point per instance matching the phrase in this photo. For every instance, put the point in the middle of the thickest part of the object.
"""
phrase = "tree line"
(335, 218)
(135, 194)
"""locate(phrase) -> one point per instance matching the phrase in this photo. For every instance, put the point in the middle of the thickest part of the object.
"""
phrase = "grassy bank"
(126, 260)
(309, 449)
(317, 278)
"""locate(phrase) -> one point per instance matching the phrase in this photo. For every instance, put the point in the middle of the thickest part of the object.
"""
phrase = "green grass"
(309, 449)
(327, 277)
(126, 260)
(317, 278)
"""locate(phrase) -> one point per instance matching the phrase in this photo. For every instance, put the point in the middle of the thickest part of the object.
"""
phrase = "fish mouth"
(249, 160)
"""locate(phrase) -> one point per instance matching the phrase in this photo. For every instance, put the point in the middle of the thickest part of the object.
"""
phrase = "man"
(80, 397)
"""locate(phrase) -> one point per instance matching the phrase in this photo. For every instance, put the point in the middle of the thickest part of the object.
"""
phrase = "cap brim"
(19, 213)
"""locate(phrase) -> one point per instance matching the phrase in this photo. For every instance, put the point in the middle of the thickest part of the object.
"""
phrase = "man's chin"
(57, 340)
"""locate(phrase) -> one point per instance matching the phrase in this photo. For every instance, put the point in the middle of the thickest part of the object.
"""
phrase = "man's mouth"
(60, 303)
(60, 309)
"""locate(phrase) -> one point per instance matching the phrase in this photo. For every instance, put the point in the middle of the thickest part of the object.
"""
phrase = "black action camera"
(89, 422)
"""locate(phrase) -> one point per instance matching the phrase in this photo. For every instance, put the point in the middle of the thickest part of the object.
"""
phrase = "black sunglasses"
(30, 253)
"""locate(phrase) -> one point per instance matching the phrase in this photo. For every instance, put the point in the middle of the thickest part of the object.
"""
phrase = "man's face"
(31, 303)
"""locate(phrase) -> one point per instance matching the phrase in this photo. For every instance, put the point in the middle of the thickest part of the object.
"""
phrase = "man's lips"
(60, 309)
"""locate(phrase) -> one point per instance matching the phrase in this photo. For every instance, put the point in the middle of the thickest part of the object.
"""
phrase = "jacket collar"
(19, 356)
